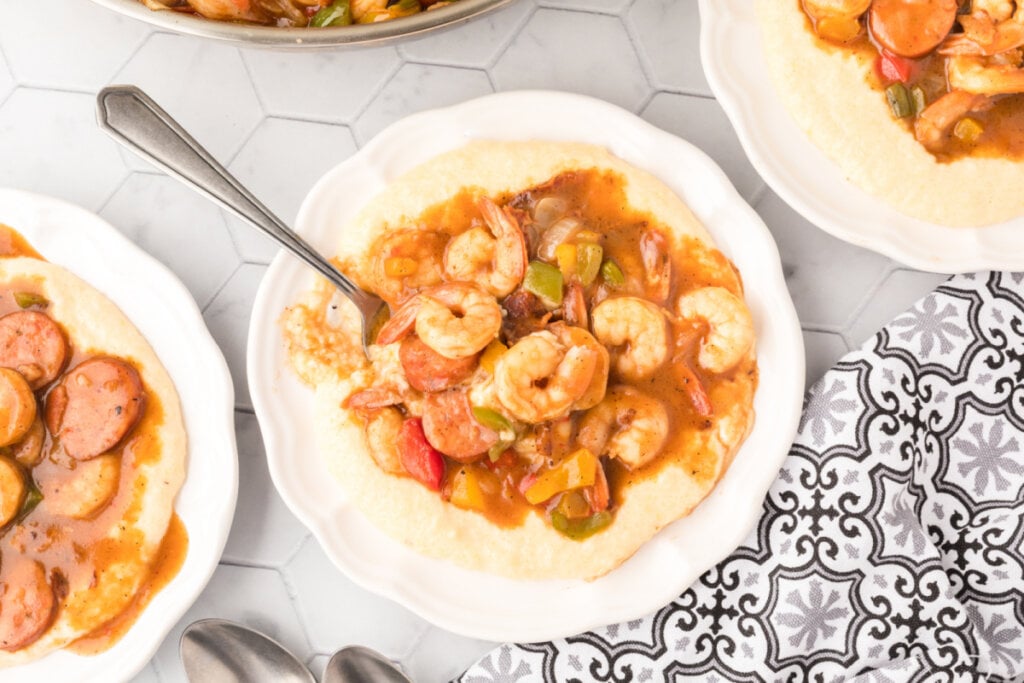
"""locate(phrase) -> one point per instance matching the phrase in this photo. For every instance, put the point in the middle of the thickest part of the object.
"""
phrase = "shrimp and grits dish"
(312, 13)
(92, 454)
(569, 364)
(920, 102)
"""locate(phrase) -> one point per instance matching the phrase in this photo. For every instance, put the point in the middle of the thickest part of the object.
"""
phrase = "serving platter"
(163, 310)
(731, 52)
(472, 603)
(305, 38)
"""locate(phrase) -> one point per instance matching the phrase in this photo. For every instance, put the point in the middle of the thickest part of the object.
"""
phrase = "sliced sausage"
(94, 406)
(911, 28)
(33, 344)
(17, 407)
(27, 606)
(427, 370)
(450, 427)
(12, 491)
(84, 491)
(29, 451)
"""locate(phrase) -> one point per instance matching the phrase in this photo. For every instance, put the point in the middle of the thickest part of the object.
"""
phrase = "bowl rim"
(300, 38)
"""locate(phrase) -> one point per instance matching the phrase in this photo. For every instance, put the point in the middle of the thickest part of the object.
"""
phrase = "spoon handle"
(136, 121)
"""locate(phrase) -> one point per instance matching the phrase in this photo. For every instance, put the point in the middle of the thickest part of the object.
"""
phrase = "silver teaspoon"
(219, 651)
(357, 664)
(132, 118)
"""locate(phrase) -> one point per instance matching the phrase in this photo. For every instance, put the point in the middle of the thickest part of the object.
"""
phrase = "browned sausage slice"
(911, 28)
(33, 344)
(27, 606)
(94, 406)
(427, 370)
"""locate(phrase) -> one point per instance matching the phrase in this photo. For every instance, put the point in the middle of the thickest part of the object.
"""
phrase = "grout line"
(822, 329)
(508, 39)
(138, 48)
(245, 564)
(213, 297)
(372, 96)
(300, 617)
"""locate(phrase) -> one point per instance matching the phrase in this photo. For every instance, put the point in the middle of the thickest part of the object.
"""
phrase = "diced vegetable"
(495, 452)
(491, 354)
(338, 13)
(578, 529)
(545, 282)
(421, 460)
(577, 470)
(838, 29)
(918, 99)
(588, 262)
(968, 130)
(399, 266)
(573, 505)
(28, 299)
(565, 256)
(402, 8)
(895, 69)
(612, 274)
(492, 419)
(32, 499)
(587, 236)
(466, 492)
(899, 100)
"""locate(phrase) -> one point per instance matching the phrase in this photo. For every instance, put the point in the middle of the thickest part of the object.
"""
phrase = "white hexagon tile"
(279, 120)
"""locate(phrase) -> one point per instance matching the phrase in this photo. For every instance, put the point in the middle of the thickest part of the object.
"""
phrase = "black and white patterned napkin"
(891, 547)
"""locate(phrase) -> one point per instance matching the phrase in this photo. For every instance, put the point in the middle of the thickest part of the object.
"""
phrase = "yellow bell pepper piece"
(399, 266)
(577, 470)
(968, 130)
(565, 255)
(466, 492)
(491, 354)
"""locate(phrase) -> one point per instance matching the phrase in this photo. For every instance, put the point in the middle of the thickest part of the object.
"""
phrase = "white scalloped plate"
(482, 605)
(164, 311)
(731, 51)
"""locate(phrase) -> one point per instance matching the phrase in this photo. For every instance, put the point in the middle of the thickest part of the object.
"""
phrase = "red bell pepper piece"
(893, 68)
(421, 460)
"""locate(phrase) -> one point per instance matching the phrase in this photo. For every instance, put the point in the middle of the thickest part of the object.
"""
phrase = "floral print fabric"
(891, 547)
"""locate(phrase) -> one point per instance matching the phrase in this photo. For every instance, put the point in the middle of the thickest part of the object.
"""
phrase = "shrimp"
(542, 377)
(456, 319)
(381, 430)
(992, 27)
(408, 261)
(27, 604)
(934, 123)
(637, 331)
(450, 427)
(627, 425)
(731, 328)
(260, 11)
(496, 258)
(985, 75)
(577, 336)
(657, 265)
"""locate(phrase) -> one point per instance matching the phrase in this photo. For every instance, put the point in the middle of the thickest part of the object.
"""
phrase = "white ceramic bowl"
(163, 310)
(482, 605)
(731, 51)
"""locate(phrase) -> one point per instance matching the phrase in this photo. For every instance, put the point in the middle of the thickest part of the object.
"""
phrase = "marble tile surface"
(279, 120)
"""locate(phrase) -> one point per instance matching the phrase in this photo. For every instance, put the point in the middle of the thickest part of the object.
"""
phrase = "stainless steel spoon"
(219, 651)
(138, 123)
(357, 664)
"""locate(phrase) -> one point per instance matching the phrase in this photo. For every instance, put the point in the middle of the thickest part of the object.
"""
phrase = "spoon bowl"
(220, 651)
(356, 664)
(132, 118)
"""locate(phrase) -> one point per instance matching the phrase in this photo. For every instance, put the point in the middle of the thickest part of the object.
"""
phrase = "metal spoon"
(138, 123)
(219, 651)
(357, 664)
